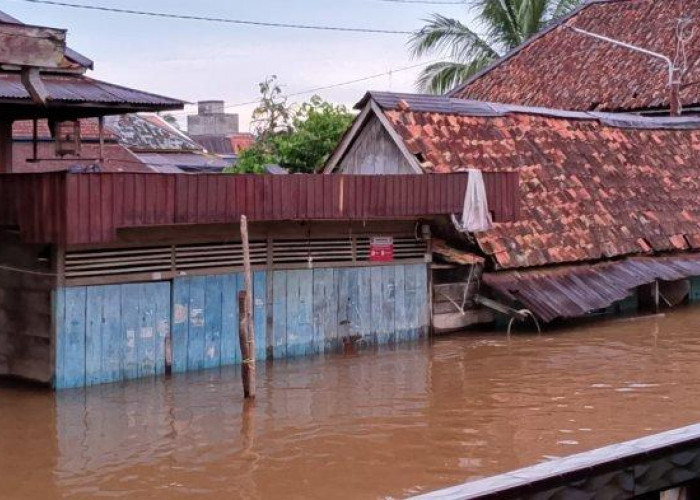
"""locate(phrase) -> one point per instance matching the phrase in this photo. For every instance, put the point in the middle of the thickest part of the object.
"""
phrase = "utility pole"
(674, 76)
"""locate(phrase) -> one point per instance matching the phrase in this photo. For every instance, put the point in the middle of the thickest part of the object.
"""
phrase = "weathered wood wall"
(118, 332)
(374, 152)
(26, 281)
(110, 333)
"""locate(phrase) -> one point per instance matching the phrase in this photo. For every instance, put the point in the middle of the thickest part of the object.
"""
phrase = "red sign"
(381, 249)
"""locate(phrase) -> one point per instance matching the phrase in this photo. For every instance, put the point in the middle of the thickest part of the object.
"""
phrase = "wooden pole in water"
(246, 331)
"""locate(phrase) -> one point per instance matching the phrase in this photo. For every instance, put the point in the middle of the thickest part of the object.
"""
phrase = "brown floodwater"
(384, 424)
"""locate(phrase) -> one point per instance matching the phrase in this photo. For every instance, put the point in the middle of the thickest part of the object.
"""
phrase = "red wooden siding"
(89, 208)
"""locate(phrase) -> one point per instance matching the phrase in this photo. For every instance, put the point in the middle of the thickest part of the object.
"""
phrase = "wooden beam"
(31, 79)
(5, 147)
(245, 312)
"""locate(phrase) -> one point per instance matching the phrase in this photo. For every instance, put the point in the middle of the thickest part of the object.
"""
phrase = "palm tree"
(504, 24)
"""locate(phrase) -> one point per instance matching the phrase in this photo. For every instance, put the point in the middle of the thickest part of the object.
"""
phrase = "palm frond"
(562, 7)
(442, 35)
(533, 16)
(439, 78)
(499, 21)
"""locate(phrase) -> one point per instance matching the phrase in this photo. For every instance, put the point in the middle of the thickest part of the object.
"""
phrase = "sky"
(195, 60)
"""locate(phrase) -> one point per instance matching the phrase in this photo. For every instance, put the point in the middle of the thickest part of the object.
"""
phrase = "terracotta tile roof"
(589, 190)
(564, 69)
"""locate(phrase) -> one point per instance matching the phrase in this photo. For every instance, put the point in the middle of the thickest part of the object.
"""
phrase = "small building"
(594, 75)
(217, 131)
(110, 276)
(44, 82)
(608, 211)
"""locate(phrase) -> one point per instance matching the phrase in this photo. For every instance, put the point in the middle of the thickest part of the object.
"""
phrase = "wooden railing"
(88, 208)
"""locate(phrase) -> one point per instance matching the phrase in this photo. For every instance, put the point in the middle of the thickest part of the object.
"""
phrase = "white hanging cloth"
(475, 215)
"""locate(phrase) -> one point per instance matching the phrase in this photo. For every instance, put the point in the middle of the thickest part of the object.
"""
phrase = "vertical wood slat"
(89, 208)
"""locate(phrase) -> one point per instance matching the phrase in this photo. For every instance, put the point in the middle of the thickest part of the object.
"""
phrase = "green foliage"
(298, 138)
(504, 24)
(317, 126)
(251, 161)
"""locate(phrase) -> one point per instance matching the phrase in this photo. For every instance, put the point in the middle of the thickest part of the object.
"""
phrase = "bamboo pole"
(246, 331)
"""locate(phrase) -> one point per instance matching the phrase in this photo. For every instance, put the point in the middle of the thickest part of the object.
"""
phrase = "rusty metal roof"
(572, 291)
(81, 89)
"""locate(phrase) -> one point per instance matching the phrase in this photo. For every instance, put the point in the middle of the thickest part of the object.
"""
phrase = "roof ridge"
(443, 104)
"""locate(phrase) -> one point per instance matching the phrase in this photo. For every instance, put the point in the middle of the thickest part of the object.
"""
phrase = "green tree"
(298, 138)
(503, 25)
(317, 126)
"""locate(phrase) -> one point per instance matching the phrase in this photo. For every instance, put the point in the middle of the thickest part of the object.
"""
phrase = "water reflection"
(374, 425)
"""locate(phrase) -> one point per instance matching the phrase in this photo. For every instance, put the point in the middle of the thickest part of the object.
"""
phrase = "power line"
(325, 87)
(220, 19)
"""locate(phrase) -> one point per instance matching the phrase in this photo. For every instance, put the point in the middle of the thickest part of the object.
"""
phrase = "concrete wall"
(211, 119)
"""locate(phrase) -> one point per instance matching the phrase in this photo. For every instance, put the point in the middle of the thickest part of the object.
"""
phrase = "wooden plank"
(131, 323)
(162, 322)
(299, 312)
(180, 323)
(146, 335)
(411, 301)
(260, 314)
(71, 365)
(112, 336)
(59, 327)
(325, 311)
(195, 345)
(213, 318)
(93, 335)
(345, 310)
(376, 308)
(279, 314)
(230, 350)
(422, 306)
(401, 327)
(362, 304)
(388, 305)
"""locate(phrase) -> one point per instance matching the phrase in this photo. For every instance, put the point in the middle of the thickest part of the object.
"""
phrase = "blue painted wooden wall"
(117, 332)
(312, 312)
(205, 320)
(110, 333)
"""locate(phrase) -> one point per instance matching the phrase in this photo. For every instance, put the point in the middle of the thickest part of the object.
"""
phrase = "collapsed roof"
(593, 186)
(561, 68)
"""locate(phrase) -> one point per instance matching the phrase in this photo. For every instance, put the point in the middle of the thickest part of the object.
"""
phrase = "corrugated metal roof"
(149, 133)
(569, 292)
(179, 162)
(423, 103)
(81, 89)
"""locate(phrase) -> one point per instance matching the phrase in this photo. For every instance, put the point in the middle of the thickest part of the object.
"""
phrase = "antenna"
(674, 72)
